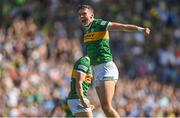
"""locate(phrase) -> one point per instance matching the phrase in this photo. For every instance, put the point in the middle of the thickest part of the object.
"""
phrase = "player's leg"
(84, 114)
(105, 78)
(105, 93)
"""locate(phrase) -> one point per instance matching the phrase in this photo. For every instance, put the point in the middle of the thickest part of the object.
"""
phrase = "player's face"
(85, 17)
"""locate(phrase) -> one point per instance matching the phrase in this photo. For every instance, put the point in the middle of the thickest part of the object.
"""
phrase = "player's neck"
(87, 27)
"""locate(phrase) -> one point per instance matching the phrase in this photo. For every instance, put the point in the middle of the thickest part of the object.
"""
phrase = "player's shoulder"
(98, 20)
(82, 64)
(101, 22)
(83, 60)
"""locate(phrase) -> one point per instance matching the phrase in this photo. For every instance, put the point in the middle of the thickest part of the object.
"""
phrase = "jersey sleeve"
(82, 66)
(103, 24)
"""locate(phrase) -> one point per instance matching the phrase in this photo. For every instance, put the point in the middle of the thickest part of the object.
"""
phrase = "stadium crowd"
(41, 39)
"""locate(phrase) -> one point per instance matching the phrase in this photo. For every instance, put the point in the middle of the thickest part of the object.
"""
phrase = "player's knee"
(107, 108)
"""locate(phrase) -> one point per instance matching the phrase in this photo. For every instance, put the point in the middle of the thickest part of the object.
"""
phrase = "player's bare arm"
(79, 89)
(113, 26)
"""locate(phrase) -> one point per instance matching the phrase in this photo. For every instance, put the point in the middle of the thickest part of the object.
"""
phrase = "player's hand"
(85, 103)
(146, 31)
(92, 107)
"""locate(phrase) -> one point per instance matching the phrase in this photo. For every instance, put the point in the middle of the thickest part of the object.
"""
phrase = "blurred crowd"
(143, 97)
(35, 69)
(41, 39)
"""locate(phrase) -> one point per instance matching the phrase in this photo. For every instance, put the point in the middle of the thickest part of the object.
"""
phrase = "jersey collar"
(88, 27)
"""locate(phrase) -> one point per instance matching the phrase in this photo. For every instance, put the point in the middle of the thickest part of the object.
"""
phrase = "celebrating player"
(96, 38)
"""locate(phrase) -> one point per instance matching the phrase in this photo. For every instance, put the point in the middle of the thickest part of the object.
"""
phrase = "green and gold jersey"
(82, 66)
(96, 38)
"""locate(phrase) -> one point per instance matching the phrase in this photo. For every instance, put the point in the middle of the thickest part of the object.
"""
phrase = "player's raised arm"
(113, 26)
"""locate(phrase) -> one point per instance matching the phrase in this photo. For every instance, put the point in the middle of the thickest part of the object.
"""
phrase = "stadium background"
(41, 39)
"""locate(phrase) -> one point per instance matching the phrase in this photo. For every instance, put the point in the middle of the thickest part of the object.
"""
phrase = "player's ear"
(92, 16)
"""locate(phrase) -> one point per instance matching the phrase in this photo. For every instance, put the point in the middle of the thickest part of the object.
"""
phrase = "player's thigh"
(84, 114)
(105, 72)
(106, 91)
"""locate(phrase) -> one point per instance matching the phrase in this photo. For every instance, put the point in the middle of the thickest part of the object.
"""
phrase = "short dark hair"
(85, 7)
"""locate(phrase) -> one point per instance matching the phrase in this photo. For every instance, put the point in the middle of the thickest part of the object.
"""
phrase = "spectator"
(39, 43)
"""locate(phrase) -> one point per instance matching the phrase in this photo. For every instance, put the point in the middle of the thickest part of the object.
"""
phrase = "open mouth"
(83, 20)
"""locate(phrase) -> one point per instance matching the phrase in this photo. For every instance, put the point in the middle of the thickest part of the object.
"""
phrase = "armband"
(140, 29)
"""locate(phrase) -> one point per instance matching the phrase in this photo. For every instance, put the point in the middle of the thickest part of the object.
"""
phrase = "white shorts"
(105, 71)
(76, 106)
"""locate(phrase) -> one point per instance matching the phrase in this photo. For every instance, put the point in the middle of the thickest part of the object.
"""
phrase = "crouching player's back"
(80, 82)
